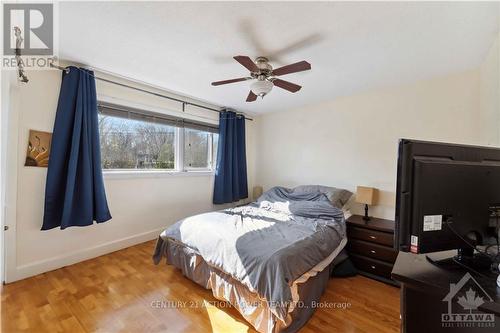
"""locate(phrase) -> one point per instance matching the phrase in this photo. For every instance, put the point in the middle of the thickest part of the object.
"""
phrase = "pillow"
(337, 196)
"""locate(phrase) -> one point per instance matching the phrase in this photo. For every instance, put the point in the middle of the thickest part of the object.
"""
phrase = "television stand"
(423, 288)
(477, 263)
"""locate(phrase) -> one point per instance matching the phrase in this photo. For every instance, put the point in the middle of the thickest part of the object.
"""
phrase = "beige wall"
(489, 102)
(141, 206)
(346, 142)
(353, 140)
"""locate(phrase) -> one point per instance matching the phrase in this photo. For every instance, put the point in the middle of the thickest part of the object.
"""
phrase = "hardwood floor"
(124, 292)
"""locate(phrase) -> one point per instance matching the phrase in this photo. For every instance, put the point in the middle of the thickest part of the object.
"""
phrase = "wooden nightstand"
(370, 247)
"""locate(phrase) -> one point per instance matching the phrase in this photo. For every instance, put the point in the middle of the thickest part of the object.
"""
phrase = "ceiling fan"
(265, 75)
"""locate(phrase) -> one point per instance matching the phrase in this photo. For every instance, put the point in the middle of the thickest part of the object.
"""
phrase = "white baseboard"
(46, 265)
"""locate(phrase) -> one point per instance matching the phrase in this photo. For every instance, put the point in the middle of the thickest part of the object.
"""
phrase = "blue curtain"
(231, 172)
(74, 193)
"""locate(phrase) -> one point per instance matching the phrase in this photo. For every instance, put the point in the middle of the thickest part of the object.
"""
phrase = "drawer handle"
(373, 237)
(373, 267)
(373, 251)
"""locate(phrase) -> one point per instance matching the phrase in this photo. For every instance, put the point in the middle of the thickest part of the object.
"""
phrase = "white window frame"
(179, 168)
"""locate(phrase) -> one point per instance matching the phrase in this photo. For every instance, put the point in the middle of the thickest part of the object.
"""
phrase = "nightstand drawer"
(372, 250)
(372, 266)
(379, 237)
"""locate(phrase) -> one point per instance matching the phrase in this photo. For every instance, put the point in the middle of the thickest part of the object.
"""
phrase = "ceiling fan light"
(261, 87)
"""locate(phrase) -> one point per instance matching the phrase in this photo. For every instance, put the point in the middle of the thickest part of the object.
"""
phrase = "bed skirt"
(225, 288)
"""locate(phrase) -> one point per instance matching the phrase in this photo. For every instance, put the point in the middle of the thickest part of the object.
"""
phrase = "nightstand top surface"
(374, 223)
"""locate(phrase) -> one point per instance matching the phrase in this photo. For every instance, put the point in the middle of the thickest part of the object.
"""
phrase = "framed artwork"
(38, 149)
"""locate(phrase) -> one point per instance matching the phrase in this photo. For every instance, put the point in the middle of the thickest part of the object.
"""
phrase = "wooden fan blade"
(291, 87)
(293, 68)
(247, 63)
(218, 83)
(251, 96)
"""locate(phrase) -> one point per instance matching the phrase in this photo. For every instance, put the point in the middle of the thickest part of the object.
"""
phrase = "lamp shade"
(261, 87)
(257, 192)
(366, 195)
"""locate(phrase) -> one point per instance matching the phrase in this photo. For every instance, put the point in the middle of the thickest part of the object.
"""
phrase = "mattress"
(306, 290)
(270, 259)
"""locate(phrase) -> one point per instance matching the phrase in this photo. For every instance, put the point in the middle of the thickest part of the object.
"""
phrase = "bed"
(270, 259)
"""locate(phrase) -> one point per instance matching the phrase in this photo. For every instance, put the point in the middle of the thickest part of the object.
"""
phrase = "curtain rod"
(66, 69)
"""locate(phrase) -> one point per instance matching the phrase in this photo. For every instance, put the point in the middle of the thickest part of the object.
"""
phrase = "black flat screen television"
(448, 197)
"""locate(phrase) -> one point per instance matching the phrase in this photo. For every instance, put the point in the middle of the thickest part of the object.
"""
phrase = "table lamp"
(367, 196)
(257, 192)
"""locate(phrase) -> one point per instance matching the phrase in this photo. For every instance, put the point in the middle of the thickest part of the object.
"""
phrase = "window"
(199, 152)
(135, 139)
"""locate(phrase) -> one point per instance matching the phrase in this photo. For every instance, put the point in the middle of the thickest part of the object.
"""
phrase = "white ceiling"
(352, 46)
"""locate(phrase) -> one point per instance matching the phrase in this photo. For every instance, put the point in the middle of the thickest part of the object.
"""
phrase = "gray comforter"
(266, 245)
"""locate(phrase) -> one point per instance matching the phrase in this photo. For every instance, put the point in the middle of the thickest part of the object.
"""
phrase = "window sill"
(131, 174)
